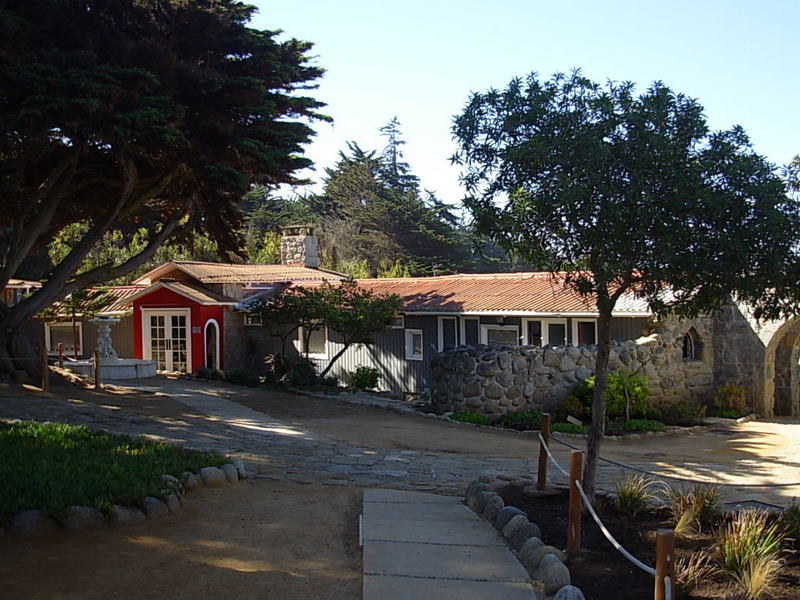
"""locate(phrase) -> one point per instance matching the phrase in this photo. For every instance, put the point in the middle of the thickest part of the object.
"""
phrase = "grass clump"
(748, 547)
(567, 428)
(365, 378)
(52, 466)
(693, 508)
(470, 416)
(521, 420)
(691, 571)
(635, 493)
(635, 425)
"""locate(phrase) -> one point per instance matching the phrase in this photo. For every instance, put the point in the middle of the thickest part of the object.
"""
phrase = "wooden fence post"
(60, 355)
(574, 513)
(45, 369)
(541, 482)
(97, 369)
(665, 562)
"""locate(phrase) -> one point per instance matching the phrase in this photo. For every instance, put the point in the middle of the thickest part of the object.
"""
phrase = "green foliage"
(695, 507)
(724, 413)
(395, 270)
(468, 416)
(625, 396)
(729, 398)
(365, 378)
(790, 522)
(691, 571)
(748, 547)
(52, 466)
(634, 425)
(685, 413)
(521, 420)
(355, 269)
(635, 493)
(241, 377)
(568, 428)
(302, 372)
(212, 374)
(577, 404)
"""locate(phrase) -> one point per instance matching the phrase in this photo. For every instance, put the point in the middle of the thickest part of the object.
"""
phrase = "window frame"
(398, 322)
(440, 328)
(575, 329)
(253, 320)
(313, 355)
(462, 329)
(409, 344)
(485, 327)
(63, 325)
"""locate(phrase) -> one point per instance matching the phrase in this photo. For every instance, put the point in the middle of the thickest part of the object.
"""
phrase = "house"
(189, 314)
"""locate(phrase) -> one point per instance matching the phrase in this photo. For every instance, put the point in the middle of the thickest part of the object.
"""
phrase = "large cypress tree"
(122, 114)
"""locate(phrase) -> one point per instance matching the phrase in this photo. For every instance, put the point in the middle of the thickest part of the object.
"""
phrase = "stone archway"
(782, 371)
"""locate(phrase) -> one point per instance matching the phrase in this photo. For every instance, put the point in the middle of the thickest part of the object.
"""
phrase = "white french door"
(166, 339)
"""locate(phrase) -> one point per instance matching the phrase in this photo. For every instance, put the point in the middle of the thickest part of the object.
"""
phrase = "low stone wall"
(494, 380)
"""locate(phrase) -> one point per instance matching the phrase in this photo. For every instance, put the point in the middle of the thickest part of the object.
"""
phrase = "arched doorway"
(211, 344)
(782, 371)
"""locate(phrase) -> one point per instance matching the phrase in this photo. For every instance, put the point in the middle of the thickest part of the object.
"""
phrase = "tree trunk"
(17, 353)
(333, 360)
(598, 429)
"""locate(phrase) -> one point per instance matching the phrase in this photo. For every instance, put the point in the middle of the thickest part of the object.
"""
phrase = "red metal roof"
(538, 292)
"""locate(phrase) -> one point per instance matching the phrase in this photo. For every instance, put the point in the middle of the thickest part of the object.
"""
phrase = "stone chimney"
(299, 246)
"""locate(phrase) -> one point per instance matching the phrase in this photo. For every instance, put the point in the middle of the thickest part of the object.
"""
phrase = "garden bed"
(604, 574)
(52, 466)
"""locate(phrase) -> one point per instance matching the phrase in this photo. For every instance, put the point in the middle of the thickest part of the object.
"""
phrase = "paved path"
(419, 545)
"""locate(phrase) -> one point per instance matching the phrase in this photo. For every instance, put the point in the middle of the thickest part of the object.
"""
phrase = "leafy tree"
(119, 115)
(80, 304)
(634, 190)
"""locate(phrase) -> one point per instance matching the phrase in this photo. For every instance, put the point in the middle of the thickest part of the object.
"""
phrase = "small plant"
(577, 405)
(521, 420)
(241, 377)
(365, 378)
(567, 428)
(301, 372)
(748, 547)
(684, 413)
(213, 374)
(635, 493)
(691, 571)
(635, 425)
(693, 508)
(790, 522)
(469, 416)
(730, 398)
(626, 395)
(724, 413)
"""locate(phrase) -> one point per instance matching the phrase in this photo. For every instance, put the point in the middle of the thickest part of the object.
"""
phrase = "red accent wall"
(200, 315)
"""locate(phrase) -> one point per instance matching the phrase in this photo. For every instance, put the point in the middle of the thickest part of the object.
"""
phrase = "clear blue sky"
(419, 60)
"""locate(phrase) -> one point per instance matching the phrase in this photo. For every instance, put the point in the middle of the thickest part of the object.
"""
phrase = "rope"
(609, 537)
(668, 587)
(550, 456)
(678, 478)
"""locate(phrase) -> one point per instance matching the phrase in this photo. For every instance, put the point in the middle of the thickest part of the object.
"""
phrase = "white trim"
(147, 353)
(253, 319)
(546, 330)
(63, 324)
(301, 344)
(484, 331)
(575, 329)
(409, 344)
(525, 313)
(205, 338)
(440, 324)
(462, 322)
(399, 324)
(166, 285)
(525, 338)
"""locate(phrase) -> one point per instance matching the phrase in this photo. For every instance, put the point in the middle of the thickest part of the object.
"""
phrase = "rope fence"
(664, 571)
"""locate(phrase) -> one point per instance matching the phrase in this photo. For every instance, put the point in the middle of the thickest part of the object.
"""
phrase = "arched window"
(691, 345)
(212, 344)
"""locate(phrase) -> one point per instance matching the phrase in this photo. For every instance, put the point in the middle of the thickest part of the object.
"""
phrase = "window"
(398, 322)
(470, 331)
(505, 335)
(533, 332)
(414, 349)
(584, 332)
(253, 319)
(447, 333)
(691, 346)
(317, 343)
(544, 332)
(62, 333)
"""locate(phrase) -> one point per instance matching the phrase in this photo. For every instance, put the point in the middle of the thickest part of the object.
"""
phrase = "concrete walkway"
(419, 545)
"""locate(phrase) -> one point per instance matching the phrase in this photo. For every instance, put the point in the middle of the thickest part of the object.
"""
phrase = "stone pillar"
(299, 247)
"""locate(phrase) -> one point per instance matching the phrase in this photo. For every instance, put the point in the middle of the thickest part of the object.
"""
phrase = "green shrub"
(567, 428)
(691, 571)
(695, 507)
(51, 466)
(469, 416)
(626, 396)
(213, 374)
(241, 377)
(731, 398)
(330, 381)
(724, 413)
(651, 414)
(643, 425)
(301, 372)
(790, 522)
(521, 420)
(365, 378)
(685, 413)
(635, 493)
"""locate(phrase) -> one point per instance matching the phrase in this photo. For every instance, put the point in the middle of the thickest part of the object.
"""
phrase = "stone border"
(545, 564)
(34, 522)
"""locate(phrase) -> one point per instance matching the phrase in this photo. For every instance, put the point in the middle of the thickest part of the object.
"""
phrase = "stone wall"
(494, 380)
(299, 251)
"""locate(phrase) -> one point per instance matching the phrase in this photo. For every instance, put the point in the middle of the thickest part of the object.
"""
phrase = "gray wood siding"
(628, 328)
(121, 337)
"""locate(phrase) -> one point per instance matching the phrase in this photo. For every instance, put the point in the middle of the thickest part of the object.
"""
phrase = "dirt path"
(261, 539)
